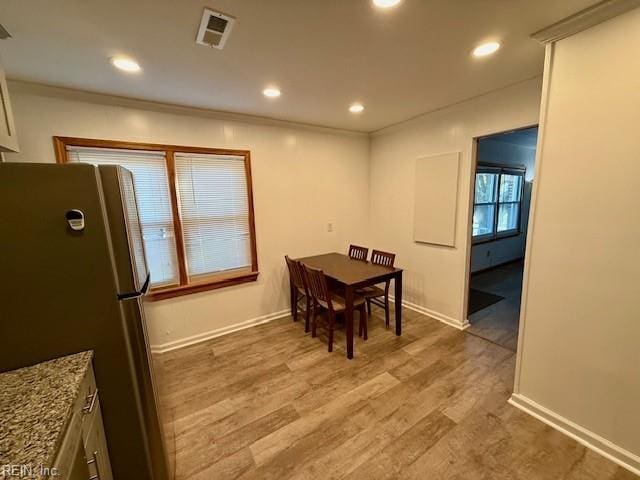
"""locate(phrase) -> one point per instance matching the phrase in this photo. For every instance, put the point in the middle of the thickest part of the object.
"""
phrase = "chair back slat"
(385, 259)
(296, 273)
(358, 253)
(317, 283)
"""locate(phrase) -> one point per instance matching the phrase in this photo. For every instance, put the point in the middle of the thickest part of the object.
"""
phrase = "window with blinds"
(195, 206)
(149, 171)
(214, 211)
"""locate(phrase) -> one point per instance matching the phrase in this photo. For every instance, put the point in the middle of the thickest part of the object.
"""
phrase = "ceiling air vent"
(215, 28)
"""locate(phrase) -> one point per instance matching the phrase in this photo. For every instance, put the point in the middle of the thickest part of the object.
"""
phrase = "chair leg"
(331, 321)
(294, 303)
(386, 311)
(369, 305)
(307, 314)
(313, 320)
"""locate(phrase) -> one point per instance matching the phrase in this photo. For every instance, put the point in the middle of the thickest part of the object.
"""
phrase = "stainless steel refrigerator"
(73, 277)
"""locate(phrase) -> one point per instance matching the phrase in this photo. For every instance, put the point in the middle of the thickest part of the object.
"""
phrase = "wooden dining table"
(353, 274)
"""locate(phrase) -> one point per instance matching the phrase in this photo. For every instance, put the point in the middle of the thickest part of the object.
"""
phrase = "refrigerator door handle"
(143, 290)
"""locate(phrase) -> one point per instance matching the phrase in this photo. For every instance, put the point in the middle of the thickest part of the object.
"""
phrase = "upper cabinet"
(8, 138)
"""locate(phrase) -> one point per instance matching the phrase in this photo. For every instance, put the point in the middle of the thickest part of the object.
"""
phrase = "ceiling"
(527, 137)
(322, 54)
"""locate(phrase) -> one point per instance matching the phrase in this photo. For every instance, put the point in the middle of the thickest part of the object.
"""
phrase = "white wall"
(300, 176)
(580, 328)
(435, 276)
(302, 179)
(490, 254)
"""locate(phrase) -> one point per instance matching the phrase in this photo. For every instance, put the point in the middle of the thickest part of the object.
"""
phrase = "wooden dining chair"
(331, 303)
(299, 291)
(374, 293)
(358, 253)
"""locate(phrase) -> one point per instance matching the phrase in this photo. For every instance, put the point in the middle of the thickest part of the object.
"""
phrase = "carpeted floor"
(479, 300)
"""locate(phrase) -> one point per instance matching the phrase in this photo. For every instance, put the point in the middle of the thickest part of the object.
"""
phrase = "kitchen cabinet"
(95, 448)
(8, 138)
(84, 453)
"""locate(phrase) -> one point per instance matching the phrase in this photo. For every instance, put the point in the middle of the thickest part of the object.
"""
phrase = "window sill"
(495, 239)
(212, 283)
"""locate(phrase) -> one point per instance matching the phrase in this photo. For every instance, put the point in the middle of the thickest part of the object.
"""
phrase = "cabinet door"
(8, 139)
(79, 469)
(95, 447)
(70, 462)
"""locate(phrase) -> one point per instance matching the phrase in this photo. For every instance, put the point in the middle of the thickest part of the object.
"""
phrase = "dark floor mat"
(479, 300)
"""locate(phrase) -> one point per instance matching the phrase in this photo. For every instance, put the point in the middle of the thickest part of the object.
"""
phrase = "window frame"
(184, 287)
(499, 171)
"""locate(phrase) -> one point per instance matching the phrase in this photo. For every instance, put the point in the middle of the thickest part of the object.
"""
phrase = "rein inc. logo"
(10, 470)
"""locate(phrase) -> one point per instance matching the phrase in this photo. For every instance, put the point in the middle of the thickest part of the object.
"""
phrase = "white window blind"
(152, 192)
(214, 209)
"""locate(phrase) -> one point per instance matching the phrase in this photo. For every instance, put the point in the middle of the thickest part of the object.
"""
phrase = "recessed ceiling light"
(486, 49)
(126, 64)
(356, 108)
(386, 3)
(271, 92)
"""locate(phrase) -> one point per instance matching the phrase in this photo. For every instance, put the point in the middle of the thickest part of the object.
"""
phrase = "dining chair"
(299, 291)
(374, 293)
(358, 253)
(332, 303)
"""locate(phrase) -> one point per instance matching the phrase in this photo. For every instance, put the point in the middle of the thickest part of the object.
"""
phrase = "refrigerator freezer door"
(125, 230)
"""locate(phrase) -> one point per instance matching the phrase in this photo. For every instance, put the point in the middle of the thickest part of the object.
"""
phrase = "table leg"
(348, 319)
(398, 303)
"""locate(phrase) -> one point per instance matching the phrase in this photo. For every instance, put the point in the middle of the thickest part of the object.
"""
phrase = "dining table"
(350, 275)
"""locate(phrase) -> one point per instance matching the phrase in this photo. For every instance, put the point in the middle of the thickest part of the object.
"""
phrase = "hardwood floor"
(270, 402)
(499, 322)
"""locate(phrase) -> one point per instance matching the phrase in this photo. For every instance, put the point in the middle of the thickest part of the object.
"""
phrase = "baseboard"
(441, 317)
(587, 438)
(202, 337)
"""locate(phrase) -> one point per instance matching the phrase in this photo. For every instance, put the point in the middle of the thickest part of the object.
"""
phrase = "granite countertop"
(35, 408)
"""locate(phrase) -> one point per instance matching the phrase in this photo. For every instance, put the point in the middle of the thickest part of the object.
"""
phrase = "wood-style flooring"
(499, 322)
(270, 402)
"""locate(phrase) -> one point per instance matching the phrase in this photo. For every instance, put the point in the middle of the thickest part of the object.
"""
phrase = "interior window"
(497, 199)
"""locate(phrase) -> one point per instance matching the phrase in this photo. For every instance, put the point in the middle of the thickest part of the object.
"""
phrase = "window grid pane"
(508, 214)
(485, 188)
(510, 188)
(214, 211)
(483, 216)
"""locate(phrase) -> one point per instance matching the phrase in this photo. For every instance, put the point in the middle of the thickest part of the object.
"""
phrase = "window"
(496, 209)
(214, 210)
(195, 206)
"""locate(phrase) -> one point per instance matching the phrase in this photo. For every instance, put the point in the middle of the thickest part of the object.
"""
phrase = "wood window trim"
(212, 283)
(215, 281)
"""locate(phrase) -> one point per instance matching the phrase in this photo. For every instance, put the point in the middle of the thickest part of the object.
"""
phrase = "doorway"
(503, 181)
